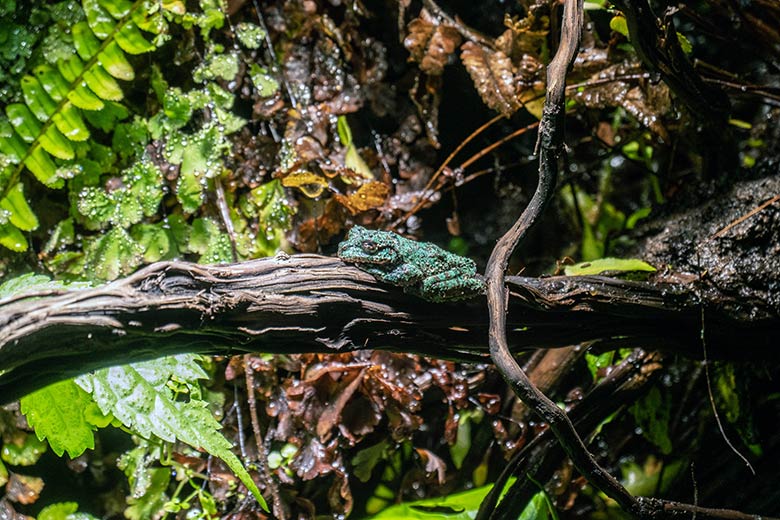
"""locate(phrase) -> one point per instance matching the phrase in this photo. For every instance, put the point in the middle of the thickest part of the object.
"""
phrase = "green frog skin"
(421, 268)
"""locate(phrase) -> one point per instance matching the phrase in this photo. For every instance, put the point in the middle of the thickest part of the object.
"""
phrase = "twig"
(550, 140)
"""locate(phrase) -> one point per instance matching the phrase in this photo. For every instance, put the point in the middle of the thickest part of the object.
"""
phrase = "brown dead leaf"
(23, 489)
(493, 75)
(431, 43)
(433, 464)
(8, 513)
(648, 102)
(370, 195)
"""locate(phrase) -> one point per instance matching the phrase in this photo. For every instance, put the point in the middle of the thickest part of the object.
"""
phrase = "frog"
(422, 269)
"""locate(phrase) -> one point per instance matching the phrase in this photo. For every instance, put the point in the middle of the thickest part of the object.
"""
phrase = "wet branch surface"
(309, 303)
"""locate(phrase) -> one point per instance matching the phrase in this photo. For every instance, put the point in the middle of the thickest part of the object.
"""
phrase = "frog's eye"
(369, 247)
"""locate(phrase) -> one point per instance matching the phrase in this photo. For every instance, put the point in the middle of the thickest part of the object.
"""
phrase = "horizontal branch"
(309, 303)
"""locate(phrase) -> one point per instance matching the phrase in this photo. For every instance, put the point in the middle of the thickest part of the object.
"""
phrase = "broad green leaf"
(116, 8)
(3, 474)
(601, 265)
(21, 215)
(100, 21)
(365, 460)
(115, 63)
(26, 453)
(38, 101)
(64, 511)
(130, 40)
(56, 413)
(217, 65)
(139, 396)
(12, 238)
(102, 84)
(85, 42)
(112, 255)
(652, 414)
(457, 506)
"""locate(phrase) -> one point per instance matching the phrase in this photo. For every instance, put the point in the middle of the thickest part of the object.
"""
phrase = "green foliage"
(603, 265)
(23, 452)
(463, 506)
(652, 414)
(58, 414)
(63, 511)
(141, 397)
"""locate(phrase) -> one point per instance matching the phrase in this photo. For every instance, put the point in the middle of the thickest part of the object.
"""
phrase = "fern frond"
(43, 129)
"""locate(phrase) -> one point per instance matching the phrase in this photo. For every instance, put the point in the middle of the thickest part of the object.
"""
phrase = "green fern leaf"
(140, 396)
(56, 413)
(21, 215)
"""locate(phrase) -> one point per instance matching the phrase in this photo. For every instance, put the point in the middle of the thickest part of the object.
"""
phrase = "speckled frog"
(421, 268)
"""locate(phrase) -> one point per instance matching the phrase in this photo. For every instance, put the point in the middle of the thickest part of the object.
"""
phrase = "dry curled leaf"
(369, 196)
(646, 101)
(431, 43)
(493, 75)
(311, 184)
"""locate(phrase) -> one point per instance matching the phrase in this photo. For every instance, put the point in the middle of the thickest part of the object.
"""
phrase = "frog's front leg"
(450, 285)
(402, 275)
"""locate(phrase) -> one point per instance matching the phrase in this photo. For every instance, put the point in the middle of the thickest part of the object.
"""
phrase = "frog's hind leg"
(451, 285)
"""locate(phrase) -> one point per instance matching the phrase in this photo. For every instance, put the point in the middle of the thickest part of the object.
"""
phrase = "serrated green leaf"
(20, 213)
(38, 101)
(601, 265)
(115, 63)
(265, 84)
(12, 238)
(99, 20)
(84, 40)
(130, 40)
(26, 453)
(56, 413)
(29, 282)
(138, 395)
(210, 241)
(189, 191)
(250, 35)
(112, 255)
(102, 84)
(63, 511)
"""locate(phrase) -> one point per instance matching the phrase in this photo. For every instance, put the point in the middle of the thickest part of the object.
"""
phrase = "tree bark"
(309, 303)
